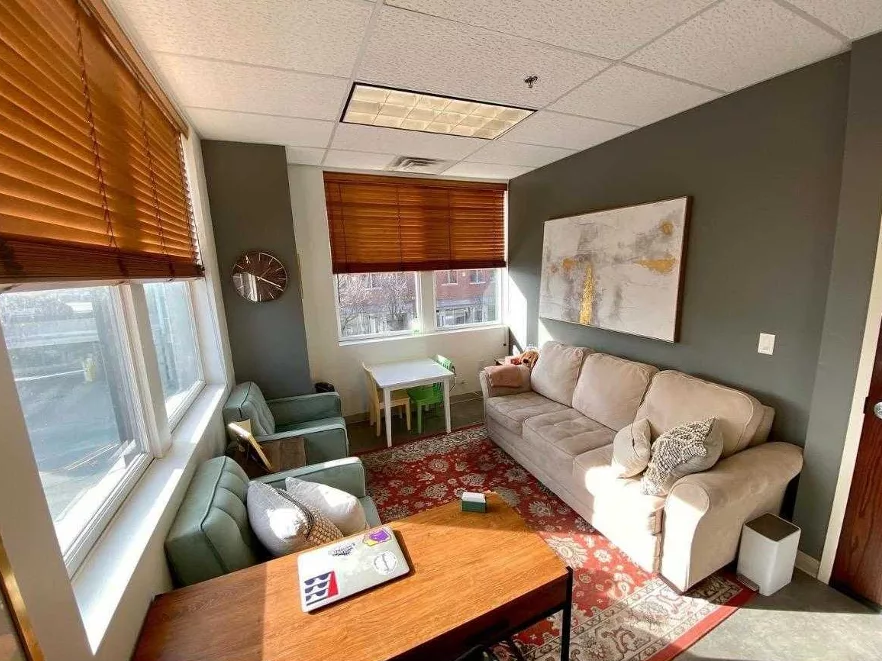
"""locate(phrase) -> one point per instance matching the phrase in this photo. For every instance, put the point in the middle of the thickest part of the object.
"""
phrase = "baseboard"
(807, 564)
(459, 397)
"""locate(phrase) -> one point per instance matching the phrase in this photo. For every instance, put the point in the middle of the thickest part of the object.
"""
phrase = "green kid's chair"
(425, 396)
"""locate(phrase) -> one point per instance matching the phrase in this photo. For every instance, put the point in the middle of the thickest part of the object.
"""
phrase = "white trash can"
(768, 553)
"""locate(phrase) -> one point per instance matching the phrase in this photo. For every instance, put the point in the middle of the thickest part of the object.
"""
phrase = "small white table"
(409, 374)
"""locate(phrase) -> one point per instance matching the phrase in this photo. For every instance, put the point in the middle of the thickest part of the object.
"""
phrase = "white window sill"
(415, 336)
(144, 519)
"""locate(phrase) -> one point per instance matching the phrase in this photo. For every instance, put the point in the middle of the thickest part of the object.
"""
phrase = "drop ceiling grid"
(295, 83)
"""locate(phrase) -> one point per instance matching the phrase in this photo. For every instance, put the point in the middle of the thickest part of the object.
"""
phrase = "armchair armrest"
(303, 408)
(704, 512)
(344, 474)
(490, 391)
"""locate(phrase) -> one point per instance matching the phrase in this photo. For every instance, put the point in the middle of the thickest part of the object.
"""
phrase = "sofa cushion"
(675, 398)
(557, 438)
(555, 374)
(511, 411)
(613, 497)
(609, 389)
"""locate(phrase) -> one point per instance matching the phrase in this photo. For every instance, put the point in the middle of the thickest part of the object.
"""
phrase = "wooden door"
(858, 565)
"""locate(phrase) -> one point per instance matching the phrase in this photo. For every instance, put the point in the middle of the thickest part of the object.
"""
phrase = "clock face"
(259, 276)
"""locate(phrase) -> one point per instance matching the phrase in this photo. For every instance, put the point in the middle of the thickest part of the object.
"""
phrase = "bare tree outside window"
(376, 303)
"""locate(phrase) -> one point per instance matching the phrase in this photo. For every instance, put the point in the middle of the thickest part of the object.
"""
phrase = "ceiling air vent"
(418, 165)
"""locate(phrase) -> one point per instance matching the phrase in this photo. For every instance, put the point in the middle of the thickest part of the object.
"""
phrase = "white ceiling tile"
(512, 153)
(229, 86)
(486, 170)
(555, 130)
(268, 129)
(427, 54)
(853, 18)
(357, 160)
(403, 143)
(737, 43)
(304, 155)
(318, 36)
(609, 28)
(632, 96)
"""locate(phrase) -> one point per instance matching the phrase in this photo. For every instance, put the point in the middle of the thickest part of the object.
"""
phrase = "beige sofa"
(560, 427)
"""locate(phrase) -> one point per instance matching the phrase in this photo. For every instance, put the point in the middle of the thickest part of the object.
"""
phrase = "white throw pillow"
(343, 509)
(284, 525)
(632, 449)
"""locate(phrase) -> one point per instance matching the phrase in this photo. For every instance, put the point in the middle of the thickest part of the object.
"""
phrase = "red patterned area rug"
(620, 613)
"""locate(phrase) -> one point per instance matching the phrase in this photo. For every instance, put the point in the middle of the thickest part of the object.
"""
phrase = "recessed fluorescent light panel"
(413, 111)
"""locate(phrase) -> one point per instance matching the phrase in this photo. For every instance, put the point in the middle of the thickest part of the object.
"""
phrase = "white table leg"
(447, 403)
(387, 402)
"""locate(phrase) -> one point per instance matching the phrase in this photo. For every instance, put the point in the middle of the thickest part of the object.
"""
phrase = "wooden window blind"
(380, 223)
(92, 180)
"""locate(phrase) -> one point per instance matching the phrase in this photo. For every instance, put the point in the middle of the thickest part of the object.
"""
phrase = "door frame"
(869, 347)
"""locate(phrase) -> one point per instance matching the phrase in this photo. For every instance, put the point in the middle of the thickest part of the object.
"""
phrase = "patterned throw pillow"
(284, 525)
(632, 449)
(683, 450)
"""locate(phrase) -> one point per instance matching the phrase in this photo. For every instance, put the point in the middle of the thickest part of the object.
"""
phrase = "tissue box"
(473, 502)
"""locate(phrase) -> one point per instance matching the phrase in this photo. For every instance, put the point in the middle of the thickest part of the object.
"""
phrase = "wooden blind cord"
(342, 222)
(190, 212)
(93, 135)
(449, 231)
(152, 167)
(398, 213)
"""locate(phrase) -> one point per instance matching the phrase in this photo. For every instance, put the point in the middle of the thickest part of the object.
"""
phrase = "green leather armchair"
(211, 536)
(317, 418)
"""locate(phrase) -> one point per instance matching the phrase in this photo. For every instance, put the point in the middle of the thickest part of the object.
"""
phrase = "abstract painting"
(618, 270)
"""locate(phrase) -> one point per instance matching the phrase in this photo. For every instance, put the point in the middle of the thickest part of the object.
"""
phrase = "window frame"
(83, 542)
(426, 305)
(175, 416)
(418, 301)
(500, 297)
(151, 417)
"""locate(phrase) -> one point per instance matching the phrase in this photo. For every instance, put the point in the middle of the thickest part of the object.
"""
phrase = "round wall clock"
(259, 276)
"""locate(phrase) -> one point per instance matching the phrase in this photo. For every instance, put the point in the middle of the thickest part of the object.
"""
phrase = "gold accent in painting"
(660, 266)
(587, 296)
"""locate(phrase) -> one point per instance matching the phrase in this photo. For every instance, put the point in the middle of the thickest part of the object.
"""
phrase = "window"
(466, 303)
(376, 303)
(446, 277)
(177, 351)
(73, 372)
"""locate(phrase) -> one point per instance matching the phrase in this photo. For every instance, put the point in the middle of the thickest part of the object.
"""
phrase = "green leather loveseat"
(317, 418)
(211, 536)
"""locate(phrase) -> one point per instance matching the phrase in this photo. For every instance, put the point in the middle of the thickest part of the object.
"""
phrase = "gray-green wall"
(854, 254)
(765, 168)
(251, 210)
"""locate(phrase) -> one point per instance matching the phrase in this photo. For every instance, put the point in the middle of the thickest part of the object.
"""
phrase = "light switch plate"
(766, 344)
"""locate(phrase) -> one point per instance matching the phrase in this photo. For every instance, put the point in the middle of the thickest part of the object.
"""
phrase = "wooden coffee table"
(475, 579)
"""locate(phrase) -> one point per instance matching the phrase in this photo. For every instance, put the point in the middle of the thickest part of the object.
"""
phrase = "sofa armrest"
(704, 512)
(490, 391)
(304, 408)
(344, 474)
